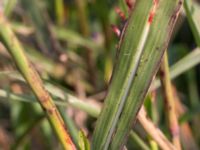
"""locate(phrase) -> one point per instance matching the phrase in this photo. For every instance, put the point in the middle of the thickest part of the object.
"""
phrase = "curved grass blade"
(142, 45)
(183, 65)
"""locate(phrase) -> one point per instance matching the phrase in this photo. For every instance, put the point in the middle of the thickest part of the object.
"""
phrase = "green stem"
(59, 7)
(94, 111)
(139, 141)
(65, 99)
(33, 79)
(85, 30)
(153, 131)
(170, 102)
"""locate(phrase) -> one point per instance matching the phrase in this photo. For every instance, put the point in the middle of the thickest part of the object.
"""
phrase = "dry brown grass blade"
(153, 131)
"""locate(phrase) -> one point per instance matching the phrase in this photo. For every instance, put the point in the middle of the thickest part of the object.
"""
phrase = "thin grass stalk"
(154, 117)
(154, 132)
(137, 138)
(73, 131)
(69, 100)
(186, 135)
(82, 16)
(33, 79)
(183, 65)
(85, 30)
(170, 102)
(59, 11)
(65, 99)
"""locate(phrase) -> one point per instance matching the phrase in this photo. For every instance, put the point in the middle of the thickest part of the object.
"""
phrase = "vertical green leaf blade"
(118, 87)
(141, 48)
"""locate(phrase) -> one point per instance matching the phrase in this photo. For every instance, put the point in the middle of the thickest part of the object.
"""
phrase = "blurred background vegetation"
(72, 45)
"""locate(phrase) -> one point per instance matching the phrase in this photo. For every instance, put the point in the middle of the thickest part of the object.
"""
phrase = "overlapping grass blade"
(183, 65)
(141, 48)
